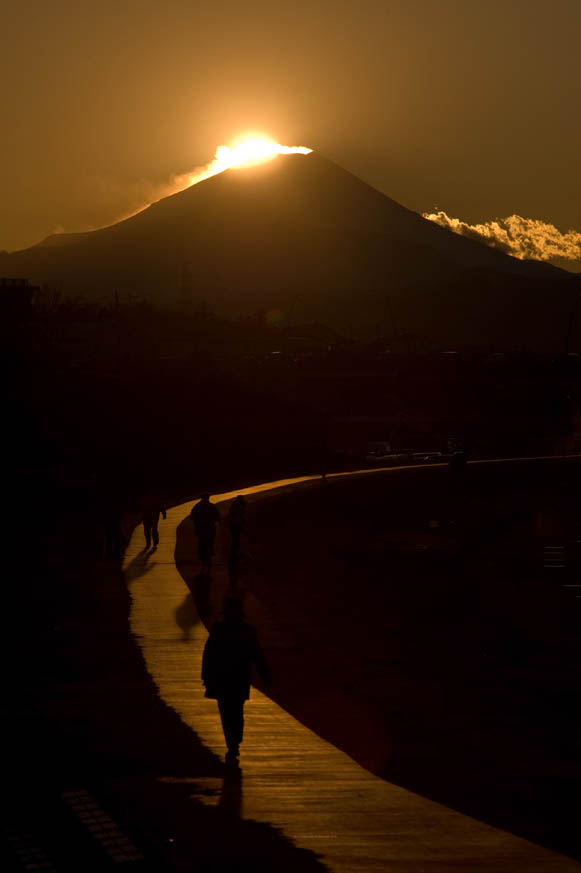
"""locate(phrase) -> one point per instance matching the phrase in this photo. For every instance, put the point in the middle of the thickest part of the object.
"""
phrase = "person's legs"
(206, 548)
(232, 715)
(147, 532)
(235, 532)
(204, 552)
(155, 533)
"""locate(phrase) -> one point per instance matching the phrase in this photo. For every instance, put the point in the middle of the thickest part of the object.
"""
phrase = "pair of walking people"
(232, 650)
(206, 518)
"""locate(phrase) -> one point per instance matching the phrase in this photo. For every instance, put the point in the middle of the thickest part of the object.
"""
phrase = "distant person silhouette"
(205, 517)
(237, 523)
(229, 655)
(152, 509)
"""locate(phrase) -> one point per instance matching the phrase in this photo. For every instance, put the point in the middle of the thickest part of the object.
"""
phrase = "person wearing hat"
(230, 653)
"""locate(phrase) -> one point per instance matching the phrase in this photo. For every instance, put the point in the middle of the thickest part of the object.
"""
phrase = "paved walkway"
(319, 797)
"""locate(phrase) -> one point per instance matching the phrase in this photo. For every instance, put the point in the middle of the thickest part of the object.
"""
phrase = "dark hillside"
(301, 238)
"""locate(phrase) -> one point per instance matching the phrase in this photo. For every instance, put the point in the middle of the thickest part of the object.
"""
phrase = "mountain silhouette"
(305, 240)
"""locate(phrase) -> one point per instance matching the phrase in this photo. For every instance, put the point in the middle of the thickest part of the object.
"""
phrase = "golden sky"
(471, 108)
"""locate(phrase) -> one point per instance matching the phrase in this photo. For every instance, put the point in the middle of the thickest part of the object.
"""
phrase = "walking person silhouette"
(205, 517)
(231, 651)
(152, 509)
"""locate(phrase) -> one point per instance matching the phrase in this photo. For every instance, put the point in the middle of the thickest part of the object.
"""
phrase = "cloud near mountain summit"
(517, 236)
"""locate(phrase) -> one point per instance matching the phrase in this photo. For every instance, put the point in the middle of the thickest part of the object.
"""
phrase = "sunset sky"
(469, 108)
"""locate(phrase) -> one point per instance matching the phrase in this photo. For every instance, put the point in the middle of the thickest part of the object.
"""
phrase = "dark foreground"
(98, 770)
(450, 669)
(433, 629)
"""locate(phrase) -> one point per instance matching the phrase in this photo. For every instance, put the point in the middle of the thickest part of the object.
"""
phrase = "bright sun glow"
(242, 153)
(253, 150)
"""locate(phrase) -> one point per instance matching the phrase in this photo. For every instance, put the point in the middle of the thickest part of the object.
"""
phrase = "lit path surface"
(292, 779)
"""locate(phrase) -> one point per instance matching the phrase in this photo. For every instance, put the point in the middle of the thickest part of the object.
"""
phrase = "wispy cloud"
(517, 236)
(142, 193)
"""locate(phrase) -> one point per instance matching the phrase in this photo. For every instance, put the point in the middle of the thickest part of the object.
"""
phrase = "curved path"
(319, 797)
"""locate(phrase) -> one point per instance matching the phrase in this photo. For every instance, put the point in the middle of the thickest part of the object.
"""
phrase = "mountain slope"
(300, 233)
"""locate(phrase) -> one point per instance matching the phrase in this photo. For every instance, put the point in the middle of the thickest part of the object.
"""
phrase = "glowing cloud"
(520, 237)
(246, 151)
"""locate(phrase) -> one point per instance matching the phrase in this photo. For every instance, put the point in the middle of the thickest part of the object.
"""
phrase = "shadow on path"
(141, 564)
(90, 717)
(187, 616)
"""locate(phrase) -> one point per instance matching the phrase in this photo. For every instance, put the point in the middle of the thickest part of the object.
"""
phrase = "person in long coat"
(230, 653)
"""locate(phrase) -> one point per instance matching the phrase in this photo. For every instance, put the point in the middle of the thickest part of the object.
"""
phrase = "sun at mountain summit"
(252, 150)
(244, 152)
